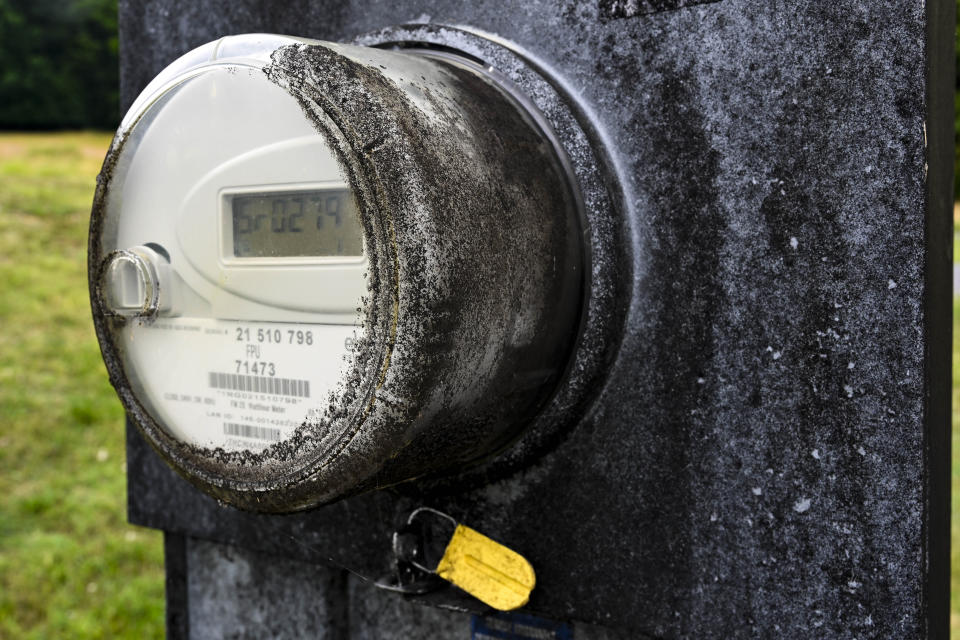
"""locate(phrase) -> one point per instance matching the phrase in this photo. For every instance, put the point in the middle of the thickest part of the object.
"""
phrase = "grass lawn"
(955, 440)
(70, 565)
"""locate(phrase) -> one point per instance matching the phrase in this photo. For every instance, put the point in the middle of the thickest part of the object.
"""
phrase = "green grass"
(955, 480)
(955, 446)
(70, 565)
(956, 231)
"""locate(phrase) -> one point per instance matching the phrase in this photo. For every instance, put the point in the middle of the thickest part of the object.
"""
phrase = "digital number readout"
(296, 223)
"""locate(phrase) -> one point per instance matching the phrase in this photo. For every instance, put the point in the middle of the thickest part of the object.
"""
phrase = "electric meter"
(318, 269)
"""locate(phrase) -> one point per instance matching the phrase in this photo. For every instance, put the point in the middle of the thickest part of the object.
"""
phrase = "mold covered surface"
(754, 465)
(484, 235)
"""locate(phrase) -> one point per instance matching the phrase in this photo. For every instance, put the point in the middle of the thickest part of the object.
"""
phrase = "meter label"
(517, 626)
(234, 384)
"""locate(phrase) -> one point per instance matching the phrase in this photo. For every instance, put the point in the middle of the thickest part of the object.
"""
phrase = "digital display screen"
(296, 223)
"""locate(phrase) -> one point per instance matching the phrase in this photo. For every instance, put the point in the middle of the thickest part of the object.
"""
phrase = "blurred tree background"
(59, 64)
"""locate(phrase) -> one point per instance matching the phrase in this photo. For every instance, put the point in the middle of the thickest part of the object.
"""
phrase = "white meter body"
(318, 269)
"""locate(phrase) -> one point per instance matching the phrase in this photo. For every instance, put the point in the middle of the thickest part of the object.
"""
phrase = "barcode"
(258, 384)
(251, 431)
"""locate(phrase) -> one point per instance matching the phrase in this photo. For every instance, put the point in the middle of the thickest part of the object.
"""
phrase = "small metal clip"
(418, 546)
(432, 544)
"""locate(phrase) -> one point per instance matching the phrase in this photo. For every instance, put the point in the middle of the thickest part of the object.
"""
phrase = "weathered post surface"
(766, 453)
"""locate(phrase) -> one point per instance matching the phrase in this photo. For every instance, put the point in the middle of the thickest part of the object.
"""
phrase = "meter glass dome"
(233, 260)
(319, 269)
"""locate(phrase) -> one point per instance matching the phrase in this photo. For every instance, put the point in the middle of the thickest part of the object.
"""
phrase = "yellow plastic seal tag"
(487, 570)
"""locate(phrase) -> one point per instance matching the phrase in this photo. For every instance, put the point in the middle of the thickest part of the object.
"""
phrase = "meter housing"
(318, 269)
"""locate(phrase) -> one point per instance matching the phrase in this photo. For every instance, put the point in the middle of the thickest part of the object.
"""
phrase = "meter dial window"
(305, 223)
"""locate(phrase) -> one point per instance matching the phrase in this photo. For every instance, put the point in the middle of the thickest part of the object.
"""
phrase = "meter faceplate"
(243, 352)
